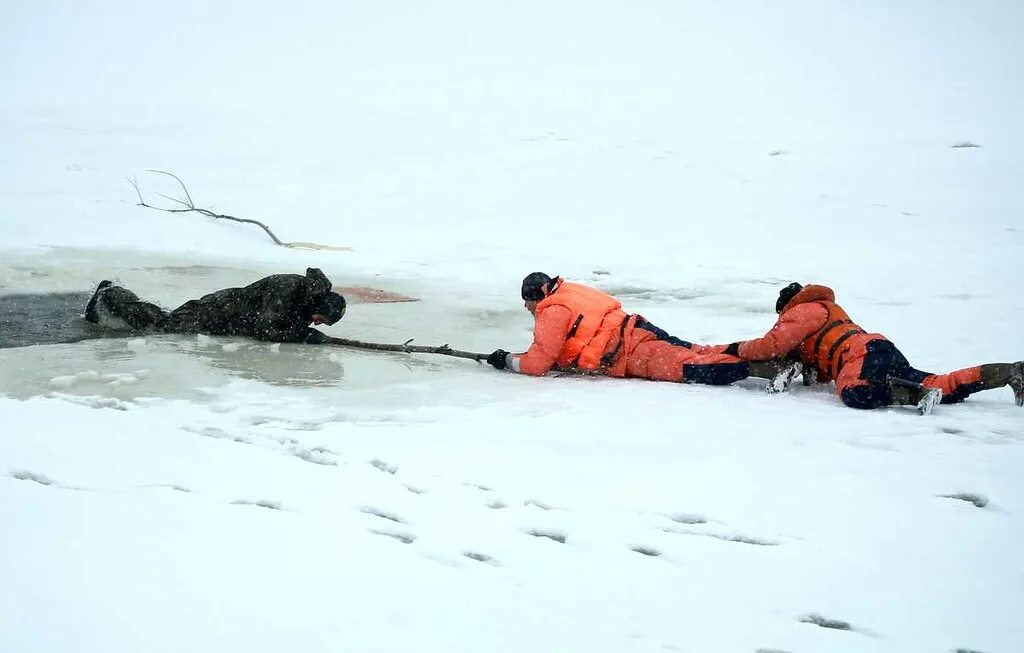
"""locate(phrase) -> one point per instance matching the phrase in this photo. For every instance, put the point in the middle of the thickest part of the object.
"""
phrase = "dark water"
(48, 318)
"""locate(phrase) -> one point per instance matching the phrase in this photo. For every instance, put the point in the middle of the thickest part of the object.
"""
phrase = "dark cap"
(331, 306)
(787, 294)
(533, 286)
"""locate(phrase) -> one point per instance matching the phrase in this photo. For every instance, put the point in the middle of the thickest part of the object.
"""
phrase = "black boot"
(92, 308)
(1017, 382)
(996, 375)
(908, 393)
(780, 373)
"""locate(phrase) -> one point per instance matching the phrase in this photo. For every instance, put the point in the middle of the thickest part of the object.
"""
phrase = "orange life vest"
(825, 347)
(597, 318)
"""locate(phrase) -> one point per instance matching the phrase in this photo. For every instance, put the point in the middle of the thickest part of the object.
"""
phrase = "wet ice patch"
(655, 294)
(68, 381)
(94, 402)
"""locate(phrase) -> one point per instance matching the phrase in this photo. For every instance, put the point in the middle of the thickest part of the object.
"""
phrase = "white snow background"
(208, 494)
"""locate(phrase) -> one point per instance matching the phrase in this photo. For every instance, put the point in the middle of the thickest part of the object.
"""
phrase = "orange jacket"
(812, 324)
(573, 328)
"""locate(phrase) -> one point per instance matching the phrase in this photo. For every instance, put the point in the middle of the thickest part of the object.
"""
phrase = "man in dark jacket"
(278, 308)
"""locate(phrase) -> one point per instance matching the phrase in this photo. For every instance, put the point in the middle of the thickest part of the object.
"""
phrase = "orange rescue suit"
(812, 324)
(575, 325)
(818, 328)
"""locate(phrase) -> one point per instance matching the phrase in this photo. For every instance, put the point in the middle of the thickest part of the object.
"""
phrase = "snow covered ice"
(182, 493)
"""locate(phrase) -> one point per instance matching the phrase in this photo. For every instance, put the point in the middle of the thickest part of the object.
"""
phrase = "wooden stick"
(405, 347)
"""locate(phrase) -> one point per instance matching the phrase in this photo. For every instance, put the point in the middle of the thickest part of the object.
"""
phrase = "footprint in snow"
(727, 537)
(261, 503)
(314, 455)
(496, 504)
(978, 500)
(647, 551)
(481, 557)
(537, 504)
(172, 486)
(404, 538)
(217, 433)
(557, 536)
(377, 512)
(687, 518)
(25, 475)
(383, 466)
(825, 622)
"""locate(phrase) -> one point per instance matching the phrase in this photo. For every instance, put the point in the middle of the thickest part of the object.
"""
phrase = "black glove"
(316, 337)
(498, 358)
(733, 349)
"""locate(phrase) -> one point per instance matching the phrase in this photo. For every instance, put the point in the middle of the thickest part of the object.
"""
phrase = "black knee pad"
(716, 373)
(871, 395)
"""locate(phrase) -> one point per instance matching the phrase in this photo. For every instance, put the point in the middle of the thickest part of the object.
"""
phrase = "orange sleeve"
(549, 333)
(794, 326)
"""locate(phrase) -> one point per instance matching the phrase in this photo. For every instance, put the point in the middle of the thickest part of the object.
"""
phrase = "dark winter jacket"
(278, 308)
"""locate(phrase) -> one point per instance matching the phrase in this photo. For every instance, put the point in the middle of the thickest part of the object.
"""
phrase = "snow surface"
(210, 494)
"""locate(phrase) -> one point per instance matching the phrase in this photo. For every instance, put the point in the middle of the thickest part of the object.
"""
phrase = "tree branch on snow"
(188, 206)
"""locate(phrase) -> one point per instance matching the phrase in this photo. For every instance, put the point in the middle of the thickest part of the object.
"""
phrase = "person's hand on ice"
(498, 359)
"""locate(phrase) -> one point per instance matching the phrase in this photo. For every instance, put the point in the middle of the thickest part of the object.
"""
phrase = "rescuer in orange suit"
(582, 328)
(868, 369)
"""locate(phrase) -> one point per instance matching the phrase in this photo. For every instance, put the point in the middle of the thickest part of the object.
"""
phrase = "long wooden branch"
(190, 207)
(405, 347)
(444, 350)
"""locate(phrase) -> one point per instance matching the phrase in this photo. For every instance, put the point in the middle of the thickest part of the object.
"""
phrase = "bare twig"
(190, 207)
(405, 347)
(180, 183)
